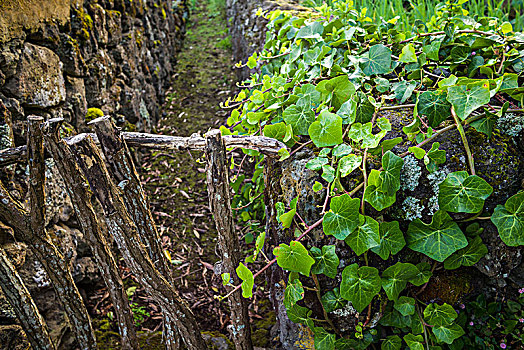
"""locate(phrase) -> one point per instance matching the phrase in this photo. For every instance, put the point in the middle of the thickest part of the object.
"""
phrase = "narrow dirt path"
(175, 182)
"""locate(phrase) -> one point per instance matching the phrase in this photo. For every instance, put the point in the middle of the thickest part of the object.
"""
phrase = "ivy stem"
(368, 317)
(464, 140)
(248, 204)
(266, 58)
(275, 259)
(424, 327)
(300, 147)
(389, 108)
(319, 297)
(324, 207)
(426, 284)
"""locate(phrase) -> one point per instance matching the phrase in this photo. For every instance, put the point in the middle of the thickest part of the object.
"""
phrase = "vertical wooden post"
(220, 204)
(38, 240)
(78, 190)
(122, 169)
(177, 315)
(21, 301)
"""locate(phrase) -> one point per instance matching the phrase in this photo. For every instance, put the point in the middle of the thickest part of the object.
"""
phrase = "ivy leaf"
(317, 186)
(405, 305)
(467, 98)
(316, 163)
(342, 217)
(393, 318)
(449, 333)
(434, 157)
(293, 293)
(509, 220)
(396, 277)
(377, 60)
(392, 342)
(435, 106)
(247, 280)
(342, 150)
(414, 341)
(378, 199)
(326, 261)
(299, 314)
(439, 315)
(485, 125)
(278, 131)
(312, 31)
(287, 218)
(463, 193)
(468, 256)
(439, 239)
(323, 339)
(359, 285)
(365, 237)
(348, 110)
(294, 257)
(340, 89)
(423, 276)
(391, 240)
(403, 90)
(328, 173)
(408, 54)
(332, 300)
(299, 117)
(348, 164)
(327, 130)
(390, 176)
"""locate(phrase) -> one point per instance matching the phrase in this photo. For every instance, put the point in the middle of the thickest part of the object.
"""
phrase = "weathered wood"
(177, 315)
(22, 303)
(122, 169)
(220, 205)
(266, 145)
(80, 195)
(33, 233)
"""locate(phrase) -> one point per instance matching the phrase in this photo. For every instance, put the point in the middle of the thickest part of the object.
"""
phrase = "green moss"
(211, 345)
(93, 113)
(448, 286)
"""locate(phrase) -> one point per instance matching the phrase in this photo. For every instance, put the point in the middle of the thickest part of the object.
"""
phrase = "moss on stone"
(93, 113)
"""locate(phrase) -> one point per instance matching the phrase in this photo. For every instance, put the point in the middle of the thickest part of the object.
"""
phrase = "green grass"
(409, 11)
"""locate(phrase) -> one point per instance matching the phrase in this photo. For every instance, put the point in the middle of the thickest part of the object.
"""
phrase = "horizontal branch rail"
(265, 145)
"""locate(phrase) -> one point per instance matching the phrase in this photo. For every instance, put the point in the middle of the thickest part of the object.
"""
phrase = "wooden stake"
(220, 204)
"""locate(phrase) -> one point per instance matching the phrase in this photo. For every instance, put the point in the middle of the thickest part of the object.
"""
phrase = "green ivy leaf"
(390, 176)
(408, 54)
(348, 164)
(449, 333)
(509, 220)
(439, 239)
(326, 261)
(396, 277)
(312, 31)
(327, 130)
(435, 106)
(359, 285)
(393, 318)
(342, 217)
(340, 89)
(328, 173)
(317, 186)
(342, 150)
(365, 237)
(468, 256)
(247, 280)
(423, 276)
(485, 125)
(332, 300)
(467, 98)
(463, 193)
(403, 90)
(392, 342)
(317, 163)
(323, 339)
(434, 157)
(378, 199)
(299, 314)
(439, 315)
(299, 117)
(414, 341)
(294, 257)
(377, 60)
(293, 293)
(391, 240)
(405, 305)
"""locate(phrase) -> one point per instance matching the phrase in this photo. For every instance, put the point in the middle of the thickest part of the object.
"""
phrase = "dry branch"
(265, 145)
(78, 190)
(122, 169)
(32, 232)
(220, 205)
(177, 315)
(21, 301)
